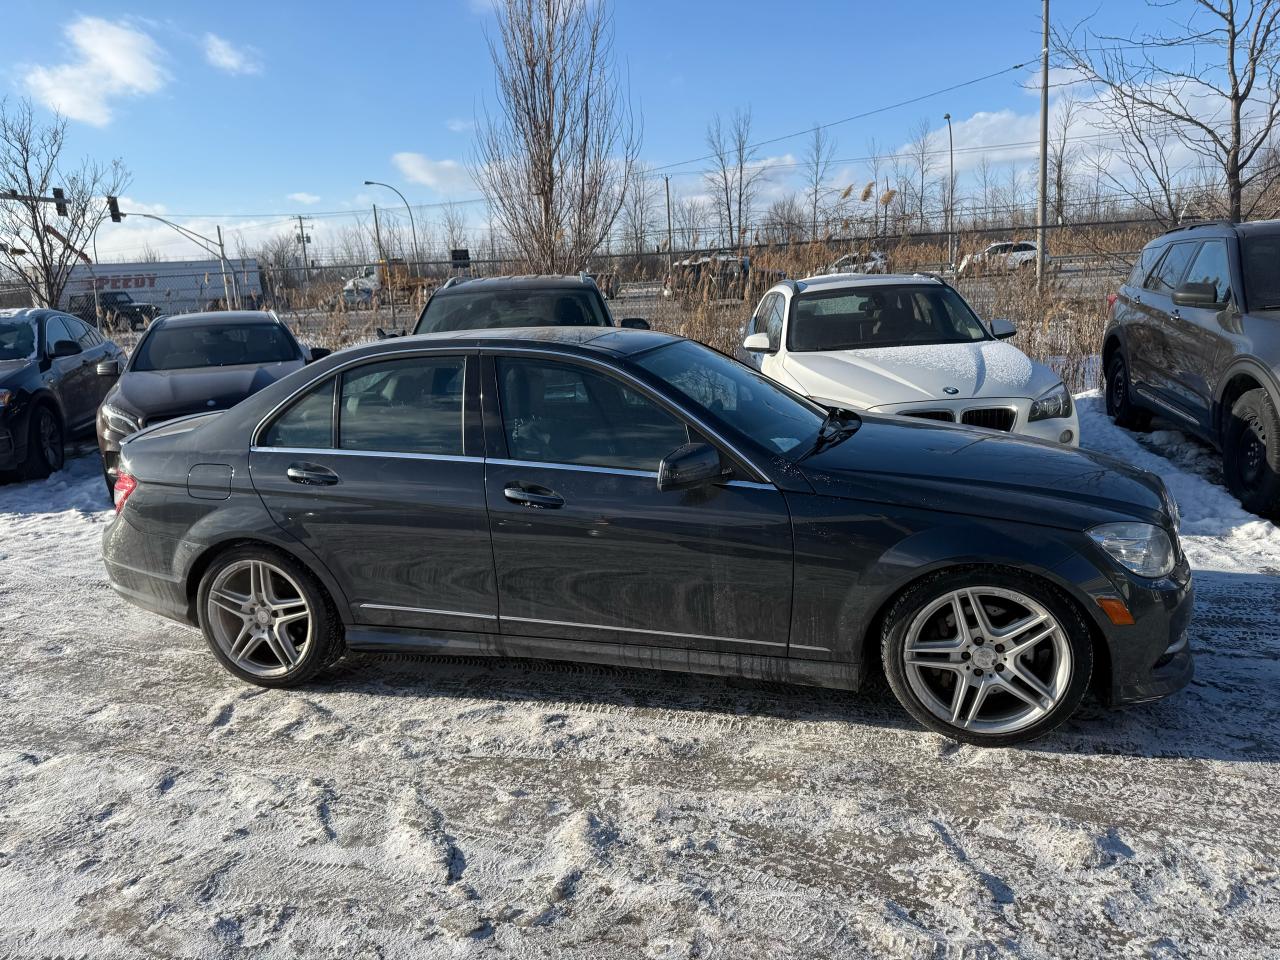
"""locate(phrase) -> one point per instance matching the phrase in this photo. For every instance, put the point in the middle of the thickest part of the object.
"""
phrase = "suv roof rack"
(1198, 223)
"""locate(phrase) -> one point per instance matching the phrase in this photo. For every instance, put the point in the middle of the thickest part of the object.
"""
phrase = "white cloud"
(460, 126)
(228, 58)
(442, 176)
(110, 60)
(303, 197)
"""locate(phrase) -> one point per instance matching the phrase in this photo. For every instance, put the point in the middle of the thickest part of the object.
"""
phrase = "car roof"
(619, 341)
(526, 282)
(215, 318)
(31, 313)
(838, 281)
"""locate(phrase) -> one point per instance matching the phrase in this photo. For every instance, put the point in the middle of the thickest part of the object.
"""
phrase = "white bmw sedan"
(906, 345)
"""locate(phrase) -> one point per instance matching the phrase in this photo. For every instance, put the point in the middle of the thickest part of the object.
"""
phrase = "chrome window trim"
(343, 452)
(443, 613)
(585, 468)
(655, 633)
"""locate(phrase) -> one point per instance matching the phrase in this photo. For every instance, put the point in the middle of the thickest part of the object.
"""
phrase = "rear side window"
(1146, 259)
(85, 336)
(1167, 274)
(1212, 266)
(403, 406)
(307, 423)
(1261, 263)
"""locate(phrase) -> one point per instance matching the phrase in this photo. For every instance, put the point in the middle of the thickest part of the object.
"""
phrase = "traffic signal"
(113, 205)
(60, 201)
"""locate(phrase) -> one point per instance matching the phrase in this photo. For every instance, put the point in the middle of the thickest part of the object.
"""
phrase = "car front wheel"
(1251, 454)
(986, 657)
(266, 618)
(45, 454)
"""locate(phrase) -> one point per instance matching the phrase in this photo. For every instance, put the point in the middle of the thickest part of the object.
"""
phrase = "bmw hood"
(165, 394)
(879, 376)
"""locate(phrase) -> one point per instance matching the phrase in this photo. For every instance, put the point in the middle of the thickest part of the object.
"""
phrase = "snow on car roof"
(836, 280)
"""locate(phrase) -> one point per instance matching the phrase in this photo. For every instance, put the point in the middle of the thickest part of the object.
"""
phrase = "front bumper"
(1063, 430)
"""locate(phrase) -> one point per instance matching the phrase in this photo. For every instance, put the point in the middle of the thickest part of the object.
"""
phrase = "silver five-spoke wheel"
(259, 617)
(987, 659)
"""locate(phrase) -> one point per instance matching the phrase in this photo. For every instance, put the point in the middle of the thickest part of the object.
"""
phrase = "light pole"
(951, 194)
(412, 228)
(214, 247)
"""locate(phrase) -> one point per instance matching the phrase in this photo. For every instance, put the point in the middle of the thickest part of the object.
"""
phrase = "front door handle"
(532, 495)
(312, 475)
(1176, 314)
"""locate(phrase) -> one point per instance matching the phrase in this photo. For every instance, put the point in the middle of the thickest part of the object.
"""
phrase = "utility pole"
(671, 265)
(303, 240)
(1044, 151)
(951, 193)
(227, 291)
(386, 265)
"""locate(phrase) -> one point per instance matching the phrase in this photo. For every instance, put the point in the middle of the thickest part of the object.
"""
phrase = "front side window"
(760, 322)
(1260, 254)
(54, 330)
(562, 413)
(17, 340)
(308, 423)
(1211, 266)
(881, 316)
(1165, 277)
(1140, 269)
(84, 335)
(403, 406)
(732, 393)
(217, 345)
(489, 309)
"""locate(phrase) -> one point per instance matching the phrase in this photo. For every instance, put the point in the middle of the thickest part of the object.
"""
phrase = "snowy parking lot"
(153, 806)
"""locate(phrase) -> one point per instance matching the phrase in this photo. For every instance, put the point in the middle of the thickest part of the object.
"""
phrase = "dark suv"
(117, 308)
(1195, 336)
(486, 303)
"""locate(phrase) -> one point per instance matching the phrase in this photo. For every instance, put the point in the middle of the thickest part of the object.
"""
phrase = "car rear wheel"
(1120, 407)
(267, 619)
(986, 657)
(45, 454)
(1251, 454)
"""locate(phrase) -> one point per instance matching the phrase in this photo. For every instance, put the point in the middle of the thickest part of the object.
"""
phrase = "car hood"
(877, 376)
(164, 394)
(12, 370)
(934, 466)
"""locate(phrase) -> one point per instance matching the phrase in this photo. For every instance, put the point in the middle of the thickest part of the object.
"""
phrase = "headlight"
(1143, 548)
(6, 398)
(121, 421)
(1052, 404)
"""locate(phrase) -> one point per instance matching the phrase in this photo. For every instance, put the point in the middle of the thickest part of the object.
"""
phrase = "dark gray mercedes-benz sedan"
(627, 497)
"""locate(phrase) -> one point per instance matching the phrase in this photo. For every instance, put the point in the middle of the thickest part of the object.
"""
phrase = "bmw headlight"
(1142, 548)
(121, 421)
(1052, 404)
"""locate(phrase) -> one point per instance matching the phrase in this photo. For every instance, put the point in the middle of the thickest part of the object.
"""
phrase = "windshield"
(1260, 254)
(488, 309)
(734, 394)
(221, 345)
(17, 340)
(881, 316)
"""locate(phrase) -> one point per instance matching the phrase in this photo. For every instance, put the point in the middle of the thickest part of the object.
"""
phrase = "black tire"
(1120, 406)
(921, 595)
(45, 439)
(1251, 454)
(325, 644)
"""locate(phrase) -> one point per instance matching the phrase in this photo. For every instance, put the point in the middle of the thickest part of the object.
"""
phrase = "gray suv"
(1195, 336)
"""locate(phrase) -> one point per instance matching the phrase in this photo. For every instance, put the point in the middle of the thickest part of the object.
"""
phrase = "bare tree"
(721, 178)
(1158, 90)
(923, 162)
(818, 156)
(453, 222)
(37, 244)
(639, 210)
(556, 161)
(690, 216)
(735, 179)
(786, 221)
(1062, 156)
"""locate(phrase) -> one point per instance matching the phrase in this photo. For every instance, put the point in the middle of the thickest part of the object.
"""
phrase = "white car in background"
(907, 345)
(875, 261)
(1006, 257)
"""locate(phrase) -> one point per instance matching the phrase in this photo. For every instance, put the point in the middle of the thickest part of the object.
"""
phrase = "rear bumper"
(126, 552)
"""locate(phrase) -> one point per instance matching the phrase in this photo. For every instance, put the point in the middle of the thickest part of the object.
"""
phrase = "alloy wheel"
(50, 439)
(987, 660)
(1253, 455)
(259, 618)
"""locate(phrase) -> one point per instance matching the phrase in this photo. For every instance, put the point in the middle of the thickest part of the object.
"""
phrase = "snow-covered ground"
(153, 806)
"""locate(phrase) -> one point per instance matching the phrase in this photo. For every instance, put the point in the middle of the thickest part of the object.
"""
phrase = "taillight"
(1111, 300)
(125, 485)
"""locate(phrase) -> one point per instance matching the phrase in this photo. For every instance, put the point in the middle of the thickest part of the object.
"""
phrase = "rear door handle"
(532, 495)
(1176, 314)
(312, 475)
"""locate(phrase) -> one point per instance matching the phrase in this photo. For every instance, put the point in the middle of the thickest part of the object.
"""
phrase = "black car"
(487, 303)
(194, 362)
(1195, 336)
(49, 386)
(629, 497)
(112, 310)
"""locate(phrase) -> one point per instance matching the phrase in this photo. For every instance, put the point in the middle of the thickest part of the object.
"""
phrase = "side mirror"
(109, 368)
(692, 465)
(1003, 329)
(758, 343)
(1203, 295)
(66, 348)
(319, 353)
(634, 323)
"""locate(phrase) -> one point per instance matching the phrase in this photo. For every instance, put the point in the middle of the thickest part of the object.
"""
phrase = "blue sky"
(235, 110)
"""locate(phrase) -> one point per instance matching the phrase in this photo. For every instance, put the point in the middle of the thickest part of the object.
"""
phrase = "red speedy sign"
(139, 282)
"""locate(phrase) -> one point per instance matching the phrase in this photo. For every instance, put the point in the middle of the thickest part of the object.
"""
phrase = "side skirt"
(814, 673)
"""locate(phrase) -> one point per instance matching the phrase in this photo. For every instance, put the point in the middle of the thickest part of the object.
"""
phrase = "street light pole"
(213, 247)
(1044, 150)
(412, 227)
(951, 194)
